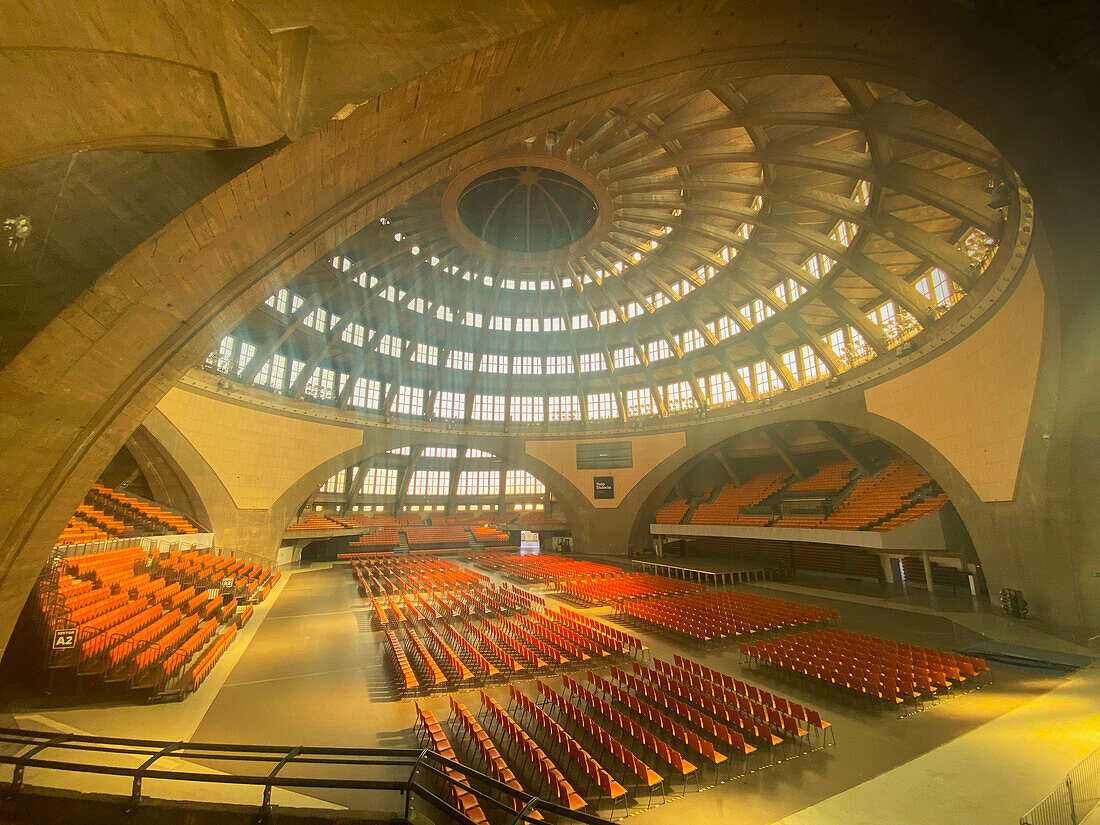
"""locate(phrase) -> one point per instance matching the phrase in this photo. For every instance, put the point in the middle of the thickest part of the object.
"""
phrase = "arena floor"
(313, 673)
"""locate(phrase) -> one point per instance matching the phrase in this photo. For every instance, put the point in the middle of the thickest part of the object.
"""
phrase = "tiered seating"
(885, 670)
(386, 537)
(672, 512)
(899, 493)
(828, 478)
(436, 536)
(319, 521)
(208, 659)
(80, 531)
(119, 514)
(877, 500)
(488, 535)
(140, 618)
(718, 615)
(632, 586)
(727, 505)
(535, 518)
(912, 512)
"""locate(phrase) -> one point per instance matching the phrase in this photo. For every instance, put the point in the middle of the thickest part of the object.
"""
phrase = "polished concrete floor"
(312, 673)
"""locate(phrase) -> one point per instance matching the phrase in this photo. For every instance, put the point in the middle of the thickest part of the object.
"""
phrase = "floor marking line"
(294, 676)
(308, 615)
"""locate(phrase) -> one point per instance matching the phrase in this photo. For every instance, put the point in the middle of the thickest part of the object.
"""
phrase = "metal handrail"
(31, 746)
(1074, 797)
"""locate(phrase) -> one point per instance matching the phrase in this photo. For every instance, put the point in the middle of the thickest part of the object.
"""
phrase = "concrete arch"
(564, 492)
(168, 482)
(899, 438)
(131, 336)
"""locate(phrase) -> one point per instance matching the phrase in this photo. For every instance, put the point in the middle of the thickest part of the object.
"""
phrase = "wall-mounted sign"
(603, 487)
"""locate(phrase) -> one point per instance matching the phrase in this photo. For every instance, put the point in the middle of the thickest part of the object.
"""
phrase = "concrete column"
(887, 569)
(928, 578)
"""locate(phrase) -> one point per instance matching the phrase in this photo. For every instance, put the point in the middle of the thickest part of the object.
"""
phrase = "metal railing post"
(17, 772)
(409, 787)
(265, 808)
(135, 793)
(526, 810)
(1069, 797)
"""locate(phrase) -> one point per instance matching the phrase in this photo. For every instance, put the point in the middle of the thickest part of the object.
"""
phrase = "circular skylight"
(528, 209)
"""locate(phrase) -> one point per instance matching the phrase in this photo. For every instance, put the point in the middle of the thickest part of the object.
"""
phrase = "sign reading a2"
(64, 638)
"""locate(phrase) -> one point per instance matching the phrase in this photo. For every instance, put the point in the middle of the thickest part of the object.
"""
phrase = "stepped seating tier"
(107, 513)
(897, 494)
(143, 620)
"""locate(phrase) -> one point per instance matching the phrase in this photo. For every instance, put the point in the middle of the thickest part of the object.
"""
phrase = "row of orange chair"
(149, 516)
(578, 648)
(613, 590)
(129, 618)
(487, 667)
(606, 636)
(538, 568)
(878, 668)
(659, 719)
(508, 662)
(401, 662)
(464, 800)
(458, 668)
(633, 770)
(420, 653)
(730, 613)
(696, 674)
(463, 649)
(763, 722)
(597, 775)
(669, 756)
(554, 780)
(708, 717)
(204, 665)
(467, 724)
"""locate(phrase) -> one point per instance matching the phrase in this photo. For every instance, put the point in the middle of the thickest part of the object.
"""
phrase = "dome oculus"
(528, 209)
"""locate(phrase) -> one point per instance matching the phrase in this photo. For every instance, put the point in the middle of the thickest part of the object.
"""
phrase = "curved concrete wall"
(161, 74)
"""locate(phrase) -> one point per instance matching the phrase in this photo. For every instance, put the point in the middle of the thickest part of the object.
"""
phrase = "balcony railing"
(420, 779)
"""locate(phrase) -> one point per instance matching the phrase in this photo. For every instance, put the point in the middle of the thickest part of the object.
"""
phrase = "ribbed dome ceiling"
(667, 241)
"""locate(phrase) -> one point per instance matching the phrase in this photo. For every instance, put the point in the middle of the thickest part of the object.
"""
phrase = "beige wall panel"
(257, 455)
(649, 451)
(972, 403)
